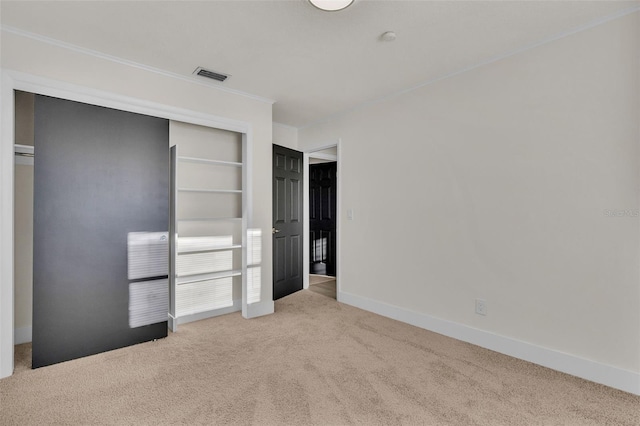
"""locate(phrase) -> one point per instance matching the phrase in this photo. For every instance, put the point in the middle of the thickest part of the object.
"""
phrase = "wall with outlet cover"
(70, 68)
(516, 183)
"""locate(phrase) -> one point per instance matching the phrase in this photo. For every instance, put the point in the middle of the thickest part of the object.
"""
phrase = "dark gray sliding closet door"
(100, 175)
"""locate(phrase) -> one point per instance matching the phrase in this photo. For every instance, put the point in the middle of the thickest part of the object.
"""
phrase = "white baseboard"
(254, 310)
(175, 322)
(21, 335)
(614, 377)
(172, 323)
(259, 309)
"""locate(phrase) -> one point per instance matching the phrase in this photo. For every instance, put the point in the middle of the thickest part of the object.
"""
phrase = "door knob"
(274, 231)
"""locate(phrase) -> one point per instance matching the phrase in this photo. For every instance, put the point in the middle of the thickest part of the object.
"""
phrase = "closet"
(139, 223)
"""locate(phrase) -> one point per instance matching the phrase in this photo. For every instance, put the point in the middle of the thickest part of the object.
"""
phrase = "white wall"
(500, 183)
(23, 260)
(50, 61)
(284, 135)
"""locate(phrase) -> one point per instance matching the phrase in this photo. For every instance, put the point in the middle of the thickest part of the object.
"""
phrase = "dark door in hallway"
(287, 221)
(322, 218)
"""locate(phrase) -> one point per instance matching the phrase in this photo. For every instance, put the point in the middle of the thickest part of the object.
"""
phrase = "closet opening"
(245, 247)
(23, 228)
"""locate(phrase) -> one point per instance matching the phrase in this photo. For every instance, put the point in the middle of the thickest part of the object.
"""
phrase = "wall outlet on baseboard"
(481, 307)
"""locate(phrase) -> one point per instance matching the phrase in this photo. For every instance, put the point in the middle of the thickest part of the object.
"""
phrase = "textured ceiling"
(312, 63)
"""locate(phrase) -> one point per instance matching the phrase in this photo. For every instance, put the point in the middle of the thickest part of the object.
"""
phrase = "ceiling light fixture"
(331, 5)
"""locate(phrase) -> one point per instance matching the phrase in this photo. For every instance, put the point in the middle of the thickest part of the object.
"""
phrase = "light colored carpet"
(22, 358)
(323, 284)
(317, 279)
(315, 361)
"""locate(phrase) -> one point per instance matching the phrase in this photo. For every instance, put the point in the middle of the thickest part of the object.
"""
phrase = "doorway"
(321, 220)
(322, 217)
(324, 277)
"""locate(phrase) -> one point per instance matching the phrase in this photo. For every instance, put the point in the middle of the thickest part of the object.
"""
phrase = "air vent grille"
(210, 74)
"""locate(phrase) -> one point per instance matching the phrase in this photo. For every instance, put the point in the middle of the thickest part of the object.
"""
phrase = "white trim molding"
(323, 156)
(625, 380)
(264, 307)
(236, 307)
(305, 221)
(72, 92)
(6, 225)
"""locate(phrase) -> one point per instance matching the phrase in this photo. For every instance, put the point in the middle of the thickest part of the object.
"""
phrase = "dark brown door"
(322, 218)
(287, 221)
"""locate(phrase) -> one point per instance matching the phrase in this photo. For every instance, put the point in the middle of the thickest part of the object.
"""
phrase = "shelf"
(209, 219)
(211, 191)
(195, 278)
(207, 250)
(208, 226)
(211, 162)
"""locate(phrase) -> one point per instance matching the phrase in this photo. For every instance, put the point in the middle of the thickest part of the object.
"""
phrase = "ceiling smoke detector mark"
(211, 74)
(388, 36)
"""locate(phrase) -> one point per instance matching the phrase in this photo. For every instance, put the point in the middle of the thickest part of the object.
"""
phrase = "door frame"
(14, 80)
(306, 155)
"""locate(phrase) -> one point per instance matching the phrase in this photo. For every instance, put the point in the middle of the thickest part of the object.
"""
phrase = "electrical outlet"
(481, 307)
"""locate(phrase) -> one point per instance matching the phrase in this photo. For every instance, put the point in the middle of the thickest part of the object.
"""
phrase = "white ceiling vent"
(211, 74)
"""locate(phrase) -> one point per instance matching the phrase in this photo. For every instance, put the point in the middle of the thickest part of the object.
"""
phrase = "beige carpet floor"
(315, 361)
(323, 284)
(318, 279)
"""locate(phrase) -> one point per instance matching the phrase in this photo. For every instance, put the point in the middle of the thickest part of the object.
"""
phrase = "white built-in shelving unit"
(208, 223)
